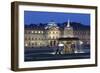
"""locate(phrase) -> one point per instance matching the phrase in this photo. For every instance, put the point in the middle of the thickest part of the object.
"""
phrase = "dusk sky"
(34, 17)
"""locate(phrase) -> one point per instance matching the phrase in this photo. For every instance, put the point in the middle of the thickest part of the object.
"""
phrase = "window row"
(53, 32)
(33, 44)
(82, 33)
(53, 37)
(29, 32)
(34, 38)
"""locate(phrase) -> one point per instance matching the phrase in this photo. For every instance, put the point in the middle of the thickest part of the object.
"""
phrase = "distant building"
(68, 30)
(49, 35)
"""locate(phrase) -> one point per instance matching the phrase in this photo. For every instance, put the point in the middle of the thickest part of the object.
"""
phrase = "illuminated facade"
(49, 35)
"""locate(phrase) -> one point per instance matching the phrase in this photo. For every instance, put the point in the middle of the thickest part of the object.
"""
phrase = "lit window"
(26, 44)
(39, 32)
(32, 31)
(39, 43)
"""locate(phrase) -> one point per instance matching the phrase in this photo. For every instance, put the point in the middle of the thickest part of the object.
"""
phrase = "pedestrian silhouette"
(59, 48)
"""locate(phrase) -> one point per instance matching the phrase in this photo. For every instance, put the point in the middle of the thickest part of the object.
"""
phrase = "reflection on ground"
(50, 53)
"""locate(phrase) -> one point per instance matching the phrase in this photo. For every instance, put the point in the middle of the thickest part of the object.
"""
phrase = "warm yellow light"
(26, 44)
(39, 32)
(32, 31)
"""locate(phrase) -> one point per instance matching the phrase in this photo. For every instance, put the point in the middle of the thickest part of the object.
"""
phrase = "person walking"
(59, 48)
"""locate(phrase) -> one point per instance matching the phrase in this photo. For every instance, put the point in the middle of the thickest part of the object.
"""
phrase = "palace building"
(52, 34)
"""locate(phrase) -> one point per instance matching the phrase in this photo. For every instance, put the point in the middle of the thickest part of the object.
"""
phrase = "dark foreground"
(41, 54)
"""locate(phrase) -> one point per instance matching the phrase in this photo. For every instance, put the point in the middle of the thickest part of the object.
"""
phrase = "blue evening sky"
(35, 17)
